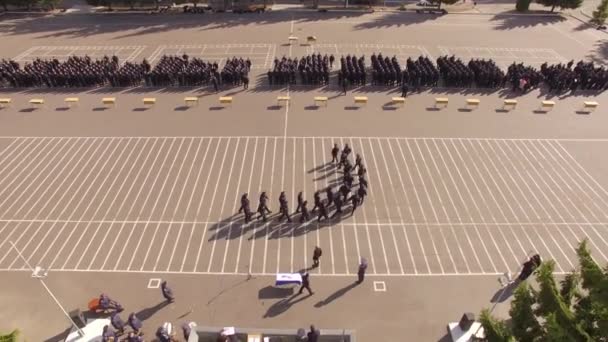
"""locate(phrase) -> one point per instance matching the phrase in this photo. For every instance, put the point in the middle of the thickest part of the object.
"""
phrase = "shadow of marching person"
(341, 292)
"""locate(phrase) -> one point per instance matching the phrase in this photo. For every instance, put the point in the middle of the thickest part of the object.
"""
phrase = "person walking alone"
(316, 254)
(305, 284)
(361, 271)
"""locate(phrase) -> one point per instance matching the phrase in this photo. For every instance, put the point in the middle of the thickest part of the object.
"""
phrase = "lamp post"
(40, 273)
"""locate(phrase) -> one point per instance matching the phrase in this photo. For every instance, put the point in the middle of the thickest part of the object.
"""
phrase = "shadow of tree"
(507, 21)
(599, 54)
(138, 24)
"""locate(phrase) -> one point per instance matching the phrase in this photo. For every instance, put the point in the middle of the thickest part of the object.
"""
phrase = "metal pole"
(49, 291)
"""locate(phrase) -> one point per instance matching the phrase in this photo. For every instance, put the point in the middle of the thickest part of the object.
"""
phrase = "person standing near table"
(305, 284)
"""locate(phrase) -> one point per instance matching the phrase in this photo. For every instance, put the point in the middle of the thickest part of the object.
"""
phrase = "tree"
(495, 330)
(601, 13)
(562, 4)
(523, 322)
(50, 4)
(522, 5)
(12, 337)
(574, 309)
(447, 2)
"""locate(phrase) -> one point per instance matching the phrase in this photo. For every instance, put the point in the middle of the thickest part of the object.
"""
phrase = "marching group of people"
(338, 199)
(314, 69)
(352, 71)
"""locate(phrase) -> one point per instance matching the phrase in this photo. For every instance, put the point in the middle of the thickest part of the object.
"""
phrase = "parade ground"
(113, 198)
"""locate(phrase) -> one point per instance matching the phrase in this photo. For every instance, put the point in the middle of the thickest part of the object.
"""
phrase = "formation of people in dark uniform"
(181, 71)
(336, 198)
(585, 76)
(170, 71)
(314, 69)
(420, 72)
(385, 71)
(487, 73)
(454, 72)
(352, 71)
(523, 77)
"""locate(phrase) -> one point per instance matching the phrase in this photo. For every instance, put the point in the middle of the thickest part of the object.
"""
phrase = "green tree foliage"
(12, 337)
(600, 15)
(522, 5)
(496, 330)
(562, 4)
(525, 328)
(447, 2)
(575, 309)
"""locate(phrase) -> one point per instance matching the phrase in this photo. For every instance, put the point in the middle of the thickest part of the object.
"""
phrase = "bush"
(522, 5)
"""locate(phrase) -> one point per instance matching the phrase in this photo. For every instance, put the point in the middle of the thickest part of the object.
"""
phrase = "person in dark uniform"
(118, 323)
(248, 214)
(305, 215)
(215, 84)
(347, 150)
(404, 88)
(529, 267)
(300, 201)
(331, 61)
(338, 203)
(362, 192)
(305, 284)
(245, 80)
(330, 196)
(317, 198)
(363, 181)
(134, 323)
(348, 180)
(316, 254)
(322, 212)
(284, 210)
(362, 170)
(344, 85)
(167, 292)
(334, 153)
(344, 190)
(262, 210)
(264, 202)
(355, 201)
(361, 271)
(358, 161)
(244, 202)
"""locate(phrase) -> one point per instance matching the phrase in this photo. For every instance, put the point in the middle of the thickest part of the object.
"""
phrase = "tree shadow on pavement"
(341, 292)
(510, 22)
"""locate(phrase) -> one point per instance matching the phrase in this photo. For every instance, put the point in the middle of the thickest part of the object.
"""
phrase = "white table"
(288, 279)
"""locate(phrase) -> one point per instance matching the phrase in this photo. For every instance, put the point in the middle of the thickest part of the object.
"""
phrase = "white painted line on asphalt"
(181, 195)
(329, 227)
(293, 201)
(483, 199)
(160, 192)
(47, 154)
(426, 261)
(396, 201)
(253, 232)
(98, 206)
(200, 203)
(82, 197)
(219, 230)
(152, 188)
(267, 235)
(217, 183)
(409, 207)
(150, 168)
(241, 227)
(135, 162)
(52, 195)
(454, 184)
(176, 205)
(426, 191)
(379, 286)
(154, 283)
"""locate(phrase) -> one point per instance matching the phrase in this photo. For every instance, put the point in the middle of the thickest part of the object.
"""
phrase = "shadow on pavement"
(341, 292)
(283, 305)
(146, 313)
